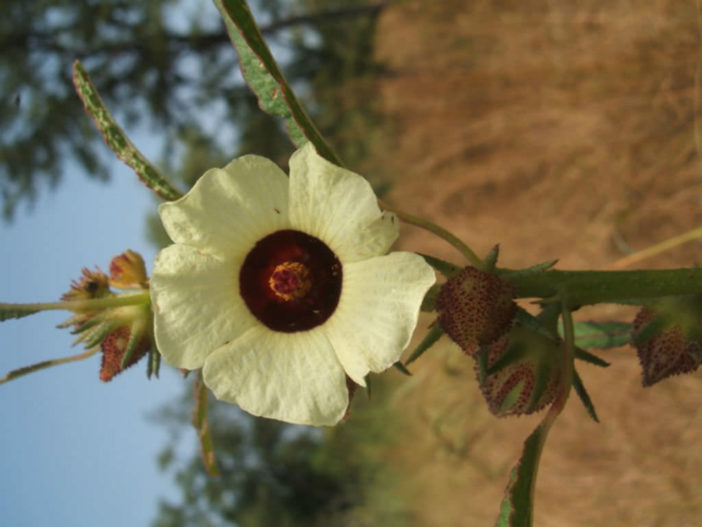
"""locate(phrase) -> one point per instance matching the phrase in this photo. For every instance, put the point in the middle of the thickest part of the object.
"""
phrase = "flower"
(279, 288)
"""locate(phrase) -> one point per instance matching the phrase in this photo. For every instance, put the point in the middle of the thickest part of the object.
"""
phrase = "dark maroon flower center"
(291, 281)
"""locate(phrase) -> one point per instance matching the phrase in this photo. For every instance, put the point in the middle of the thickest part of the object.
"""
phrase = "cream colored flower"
(279, 288)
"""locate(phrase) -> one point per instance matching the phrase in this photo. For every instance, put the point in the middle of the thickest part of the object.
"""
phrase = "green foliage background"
(167, 66)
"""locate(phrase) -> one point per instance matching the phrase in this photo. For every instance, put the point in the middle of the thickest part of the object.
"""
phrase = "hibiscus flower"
(280, 287)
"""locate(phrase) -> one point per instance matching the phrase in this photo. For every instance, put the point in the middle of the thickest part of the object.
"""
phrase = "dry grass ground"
(559, 130)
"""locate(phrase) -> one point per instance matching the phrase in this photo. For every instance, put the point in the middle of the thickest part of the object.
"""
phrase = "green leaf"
(428, 341)
(541, 323)
(8, 311)
(601, 335)
(445, 268)
(202, 426)
(517, 507)
(579, 388)
(116, 139)
(25, 370)
(265, 78)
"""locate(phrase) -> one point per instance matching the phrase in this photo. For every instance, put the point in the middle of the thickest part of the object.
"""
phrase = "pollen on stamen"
(290, 280)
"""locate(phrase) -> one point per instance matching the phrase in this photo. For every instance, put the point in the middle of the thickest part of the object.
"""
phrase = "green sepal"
(579, 388)
(429, 300)
(432, 336)
(402, 369)
(652, 328)
(586, 356)
(75, 319)
(537, 323)
(81, 324)
(153, 363)
(445, 268)
(94, 336)
(490, 260)
(538, 268)
(134, 336)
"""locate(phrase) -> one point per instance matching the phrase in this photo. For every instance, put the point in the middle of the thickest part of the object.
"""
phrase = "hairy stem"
(442, 233)
(578, 288)
(128, 299)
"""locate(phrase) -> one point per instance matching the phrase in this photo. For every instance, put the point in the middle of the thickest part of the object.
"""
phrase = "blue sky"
(74, 450)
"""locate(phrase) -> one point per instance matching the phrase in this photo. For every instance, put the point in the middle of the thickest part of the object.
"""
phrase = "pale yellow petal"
(196, 304)
(378, 311)
(338, 207)
(229, 209)
(292, 377)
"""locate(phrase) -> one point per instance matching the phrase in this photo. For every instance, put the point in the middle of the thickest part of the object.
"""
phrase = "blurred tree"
(166, 64)
(271, 474)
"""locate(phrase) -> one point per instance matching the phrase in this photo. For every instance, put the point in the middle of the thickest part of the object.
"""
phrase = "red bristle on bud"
(113, 348)
(669, 351)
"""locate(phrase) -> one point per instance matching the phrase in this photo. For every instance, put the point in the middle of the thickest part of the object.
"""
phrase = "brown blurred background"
(559, 130)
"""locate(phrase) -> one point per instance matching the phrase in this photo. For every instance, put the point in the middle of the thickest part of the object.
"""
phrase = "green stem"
(128, 299)
(442, 233)
(578, 288)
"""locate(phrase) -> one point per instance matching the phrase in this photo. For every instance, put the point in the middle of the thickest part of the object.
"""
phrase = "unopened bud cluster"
(514, 363)
(123, 332)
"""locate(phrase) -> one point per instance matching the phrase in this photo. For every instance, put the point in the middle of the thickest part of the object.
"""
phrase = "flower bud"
(92, 284)
(127, 271)
(475, 308)
(520, 373)
(667, 340)
(122, 332)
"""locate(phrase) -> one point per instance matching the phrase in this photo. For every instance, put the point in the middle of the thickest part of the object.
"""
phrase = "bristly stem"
(579, 288)
(442, 233)
(127, 299)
